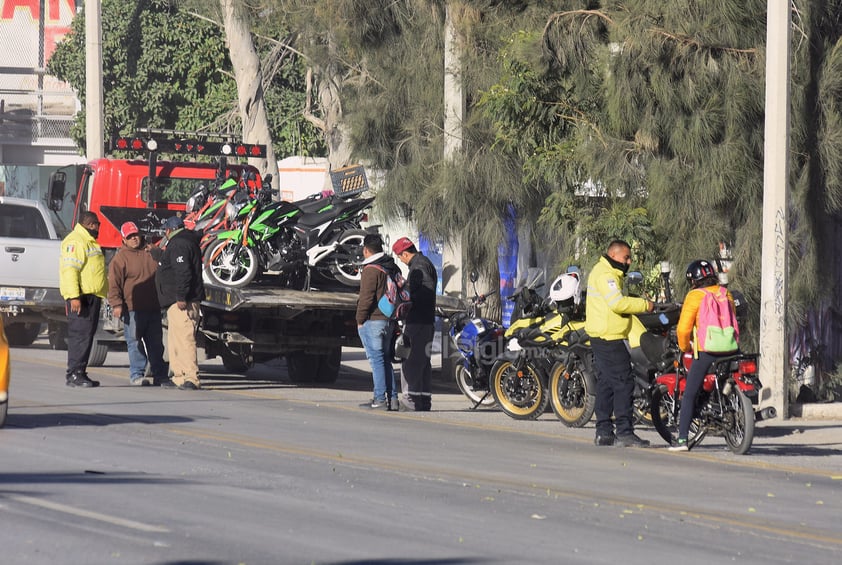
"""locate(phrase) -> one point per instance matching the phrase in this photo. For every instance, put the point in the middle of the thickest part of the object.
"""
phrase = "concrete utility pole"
(95, 146)
(774, 349)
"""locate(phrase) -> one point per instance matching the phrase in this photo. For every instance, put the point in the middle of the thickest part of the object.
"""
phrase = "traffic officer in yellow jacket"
(83, 282)
(607, 322)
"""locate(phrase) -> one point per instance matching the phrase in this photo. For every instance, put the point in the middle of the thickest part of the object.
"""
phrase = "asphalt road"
(253, 470)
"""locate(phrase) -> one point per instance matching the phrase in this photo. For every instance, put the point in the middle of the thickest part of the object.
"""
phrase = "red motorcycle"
(724, 405)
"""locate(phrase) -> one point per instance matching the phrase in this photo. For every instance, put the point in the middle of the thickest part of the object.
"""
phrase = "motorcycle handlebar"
(481, 298)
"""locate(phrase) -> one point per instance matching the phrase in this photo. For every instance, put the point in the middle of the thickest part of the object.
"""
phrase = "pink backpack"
(716, 323)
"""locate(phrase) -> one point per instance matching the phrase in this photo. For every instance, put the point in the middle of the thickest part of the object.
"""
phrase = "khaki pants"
(181, 343)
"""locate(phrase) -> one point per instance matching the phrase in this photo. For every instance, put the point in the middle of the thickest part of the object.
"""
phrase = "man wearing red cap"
(134, 299)
(416, 370)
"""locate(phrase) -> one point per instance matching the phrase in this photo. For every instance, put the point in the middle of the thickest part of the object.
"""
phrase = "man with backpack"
(707, 327)
(416, 369)
(374, 327)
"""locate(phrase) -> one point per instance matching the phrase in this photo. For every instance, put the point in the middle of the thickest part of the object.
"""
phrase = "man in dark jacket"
(374, 328)
(416, 370)
(180, 292)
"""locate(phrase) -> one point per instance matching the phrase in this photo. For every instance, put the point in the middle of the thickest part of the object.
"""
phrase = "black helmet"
(698, 271)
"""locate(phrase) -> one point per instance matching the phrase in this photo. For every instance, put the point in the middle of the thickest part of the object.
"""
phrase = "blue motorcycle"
(478, 341)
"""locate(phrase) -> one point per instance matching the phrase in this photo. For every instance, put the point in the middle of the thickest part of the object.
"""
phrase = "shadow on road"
(792, 450)
(56, 419)
(84, 476)
(404, 561)
(782, 430)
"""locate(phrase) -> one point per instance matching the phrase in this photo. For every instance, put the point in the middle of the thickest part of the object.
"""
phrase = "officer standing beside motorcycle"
(607, 322)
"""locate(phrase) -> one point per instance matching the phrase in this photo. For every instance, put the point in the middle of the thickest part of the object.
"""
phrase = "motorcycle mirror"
(474, 276)
(634, 277)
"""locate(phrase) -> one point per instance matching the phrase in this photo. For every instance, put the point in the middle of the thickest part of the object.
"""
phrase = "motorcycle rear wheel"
(466, 383)
(226, 263)
(739, 412)
(346, 265)
(570, 397)
(522, 395)
(665, 417)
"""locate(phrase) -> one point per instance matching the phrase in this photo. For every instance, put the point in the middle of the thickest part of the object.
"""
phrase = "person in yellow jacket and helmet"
(607, 322)
(83, 282)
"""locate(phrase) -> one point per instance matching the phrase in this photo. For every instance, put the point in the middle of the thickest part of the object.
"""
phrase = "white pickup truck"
(30, 243)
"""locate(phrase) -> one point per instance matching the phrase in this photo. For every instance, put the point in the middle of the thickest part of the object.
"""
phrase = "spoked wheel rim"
(665, 417)
(466, 383)
(739, 414)
(230, 264)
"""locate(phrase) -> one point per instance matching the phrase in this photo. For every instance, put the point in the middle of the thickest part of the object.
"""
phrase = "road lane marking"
(795, 532)
(98, 516)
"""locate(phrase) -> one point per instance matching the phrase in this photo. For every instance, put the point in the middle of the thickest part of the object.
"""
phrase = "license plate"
(12, 293)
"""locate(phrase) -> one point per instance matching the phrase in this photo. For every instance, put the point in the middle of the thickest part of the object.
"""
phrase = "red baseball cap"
(402, 245)
(128, 229)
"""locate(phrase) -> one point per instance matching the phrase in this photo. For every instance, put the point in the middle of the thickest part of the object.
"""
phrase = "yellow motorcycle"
(547, 358)
(4, 375)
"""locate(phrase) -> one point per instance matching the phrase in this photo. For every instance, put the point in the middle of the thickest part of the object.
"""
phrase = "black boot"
(80, 379)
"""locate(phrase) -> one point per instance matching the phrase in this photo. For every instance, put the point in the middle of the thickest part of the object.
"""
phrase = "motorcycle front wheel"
(227, 263)
(665, 417)
(467, 384)
(519, 392)
(570, 396)
(739, 421)
(346, 264)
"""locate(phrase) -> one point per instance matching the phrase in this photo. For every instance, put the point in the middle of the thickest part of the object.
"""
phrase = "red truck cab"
(148, 191)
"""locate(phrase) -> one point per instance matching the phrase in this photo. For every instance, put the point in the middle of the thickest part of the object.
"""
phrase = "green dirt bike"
(291, 241)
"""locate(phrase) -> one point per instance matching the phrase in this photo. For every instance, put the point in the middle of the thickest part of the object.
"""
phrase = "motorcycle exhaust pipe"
(765, 414)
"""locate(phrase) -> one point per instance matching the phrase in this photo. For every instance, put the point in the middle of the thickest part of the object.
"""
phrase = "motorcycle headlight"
(513, 345)
(191, 205)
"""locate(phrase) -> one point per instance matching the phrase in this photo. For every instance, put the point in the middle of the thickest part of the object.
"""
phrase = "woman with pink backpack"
(708, 328)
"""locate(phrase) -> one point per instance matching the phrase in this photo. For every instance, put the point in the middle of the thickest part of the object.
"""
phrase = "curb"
(817, 411)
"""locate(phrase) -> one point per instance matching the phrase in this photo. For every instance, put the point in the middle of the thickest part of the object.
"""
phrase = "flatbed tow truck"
(242, 326)
(309, 328)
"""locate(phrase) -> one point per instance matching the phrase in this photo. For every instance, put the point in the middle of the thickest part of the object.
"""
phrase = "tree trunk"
(330, 118)
(249, 79)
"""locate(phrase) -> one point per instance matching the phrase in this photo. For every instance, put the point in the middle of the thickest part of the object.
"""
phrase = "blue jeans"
(375, 335)
(145, 343)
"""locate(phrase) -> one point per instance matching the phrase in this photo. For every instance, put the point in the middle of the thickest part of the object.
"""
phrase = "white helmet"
(565, 289)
